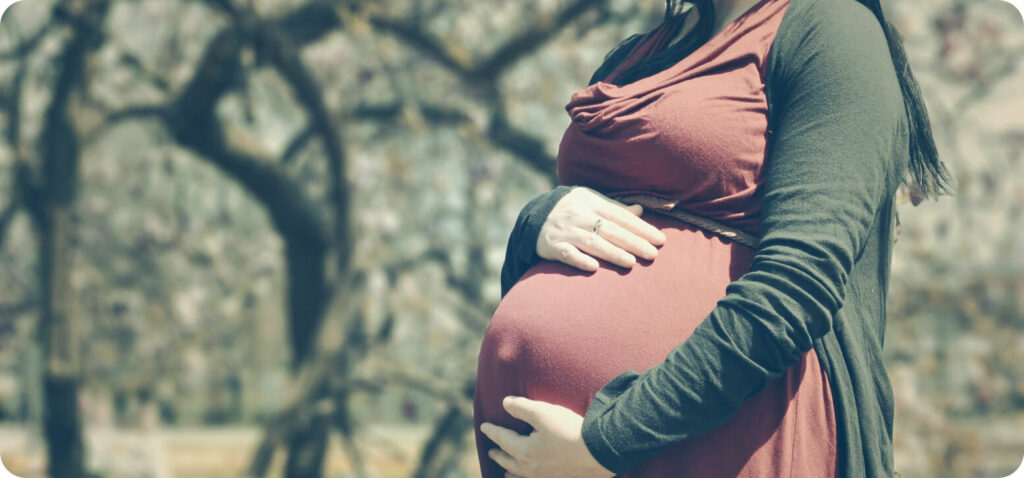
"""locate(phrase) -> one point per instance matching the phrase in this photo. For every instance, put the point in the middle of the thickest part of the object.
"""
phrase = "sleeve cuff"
(594, 436)
(521, 253)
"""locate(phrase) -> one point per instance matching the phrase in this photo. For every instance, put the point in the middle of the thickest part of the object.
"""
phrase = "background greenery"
(263, 237)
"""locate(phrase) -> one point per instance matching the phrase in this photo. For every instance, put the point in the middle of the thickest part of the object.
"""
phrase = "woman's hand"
(555, 449)
(585, 225)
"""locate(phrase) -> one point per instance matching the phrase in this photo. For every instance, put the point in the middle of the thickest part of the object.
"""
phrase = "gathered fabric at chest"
(696, 133)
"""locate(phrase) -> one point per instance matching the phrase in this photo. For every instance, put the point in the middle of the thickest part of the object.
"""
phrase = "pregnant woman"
(766, 140)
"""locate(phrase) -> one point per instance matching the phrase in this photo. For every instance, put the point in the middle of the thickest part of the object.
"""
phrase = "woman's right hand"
(568, 236)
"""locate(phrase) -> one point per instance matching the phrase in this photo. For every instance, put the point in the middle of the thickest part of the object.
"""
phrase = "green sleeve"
(521, 253)
(834, 157)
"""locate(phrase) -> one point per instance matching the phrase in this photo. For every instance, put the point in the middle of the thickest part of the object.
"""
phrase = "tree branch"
(283, 54)
(7, 217)
(297, 144)
(27, 45)
(520, 143)
(528, 148)
(11, 311)
(191, 119)
(393, 112)
(532, 39)
(492, 66)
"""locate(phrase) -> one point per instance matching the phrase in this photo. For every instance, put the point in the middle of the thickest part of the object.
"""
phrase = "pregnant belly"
(560, 334)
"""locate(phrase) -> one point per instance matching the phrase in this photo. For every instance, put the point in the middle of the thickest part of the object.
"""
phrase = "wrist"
(535, 213)
(600, 450)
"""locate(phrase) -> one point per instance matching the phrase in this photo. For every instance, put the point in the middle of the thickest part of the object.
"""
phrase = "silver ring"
(597, 225)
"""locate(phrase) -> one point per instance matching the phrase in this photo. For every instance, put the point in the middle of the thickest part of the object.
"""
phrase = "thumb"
(523, 408)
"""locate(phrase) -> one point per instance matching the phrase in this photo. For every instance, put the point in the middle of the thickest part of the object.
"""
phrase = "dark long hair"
(928, 176)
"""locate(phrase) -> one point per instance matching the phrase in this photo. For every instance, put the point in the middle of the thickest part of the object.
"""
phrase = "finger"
(510, 475)
(510, 441)
(524, 409)
(596, 246)
(619, 212)
(627, 241)
(636, 209)
(569, 254)
(634, 224)
(506, 461)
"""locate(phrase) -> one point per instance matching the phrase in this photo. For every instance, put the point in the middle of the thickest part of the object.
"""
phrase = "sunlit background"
(263, 237)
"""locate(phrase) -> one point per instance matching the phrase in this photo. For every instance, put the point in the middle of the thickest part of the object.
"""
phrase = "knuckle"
(565, 253)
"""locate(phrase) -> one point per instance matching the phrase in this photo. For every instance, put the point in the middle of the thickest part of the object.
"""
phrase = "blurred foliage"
(349, 172)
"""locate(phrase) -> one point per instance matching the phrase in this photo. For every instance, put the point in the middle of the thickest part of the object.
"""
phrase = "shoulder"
(832, 42)
(825, 29)
(837, 19)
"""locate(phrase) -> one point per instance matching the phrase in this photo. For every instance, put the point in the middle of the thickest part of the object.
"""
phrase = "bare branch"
(308, 23)
(130, 113)
(11, 311)
(489, 68)
(528, 148)
(443, 449)
(520, 143)
(27, 45)
(297, 144)
(7, 217)
(20, 181)
(283, 54)
(191, 120)
(530, 40)
(435, 48)
(138, 66)
(393, 111)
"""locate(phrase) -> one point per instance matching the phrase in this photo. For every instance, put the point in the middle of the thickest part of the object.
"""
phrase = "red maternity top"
(695, 134)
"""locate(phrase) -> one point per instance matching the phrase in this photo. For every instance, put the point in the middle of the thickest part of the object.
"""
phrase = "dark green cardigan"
(838, 151)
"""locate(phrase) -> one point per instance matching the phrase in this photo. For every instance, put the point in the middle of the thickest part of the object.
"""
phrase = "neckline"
(613, 90)
(649, 44)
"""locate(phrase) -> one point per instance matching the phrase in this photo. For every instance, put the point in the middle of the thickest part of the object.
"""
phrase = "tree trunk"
(307, 296)
(51, 206)
(62, 427)
(192, 120)
(306, 451)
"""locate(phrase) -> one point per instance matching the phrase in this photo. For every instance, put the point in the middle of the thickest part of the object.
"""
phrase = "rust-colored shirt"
(837, 152)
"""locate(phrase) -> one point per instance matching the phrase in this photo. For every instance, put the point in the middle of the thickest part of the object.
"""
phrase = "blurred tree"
(50, 201)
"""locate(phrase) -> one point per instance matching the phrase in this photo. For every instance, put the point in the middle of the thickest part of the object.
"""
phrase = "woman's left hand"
(554, 449)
